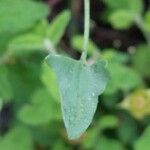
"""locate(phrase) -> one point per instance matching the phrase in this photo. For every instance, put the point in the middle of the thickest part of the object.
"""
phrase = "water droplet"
(71, 118)
(93, 94)
(71, 70)
(82, 110)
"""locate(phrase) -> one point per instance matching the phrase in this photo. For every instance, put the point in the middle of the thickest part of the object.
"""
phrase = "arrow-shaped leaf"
(80, 85)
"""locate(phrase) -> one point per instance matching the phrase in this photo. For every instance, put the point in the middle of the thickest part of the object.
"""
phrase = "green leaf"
(26, 44)
(20, 15)
(1, 104)
(57, 27)
(24, 78)
(115, 4)
(19, 138)
(147, 21)
(135, 6)
(107, 144)
(90, 138)
(60, 145)
(141, 61)
(122, 13)
(41, 110)
(127, 129)
(108, 121)
(80, 85)
(112, 55)
(6, 92)
(77, 43)
(143, 142)
(49, 79)
(122, 78)
(121, 19)
(4, 40)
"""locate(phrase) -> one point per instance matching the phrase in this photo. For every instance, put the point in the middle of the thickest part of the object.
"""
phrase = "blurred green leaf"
(127, 129)
(108, 121)
(112, 55)
(1, 104)
(60, 145)
(6, 92)
(141, 61)
(20, 15)
(135, 6)
(24, 78)
(41, 110)
(115, 4)
(121, 19)
(41, 27)
(122, 78)
(143, 142)
(122, 13)
(57, 27)
(107, 144)
(77, 43)
(90, 139)
(48, 134)
(4, 40)
(26, 44)
(49, 79)
(79, 97)
(147, 21)
(19, 138)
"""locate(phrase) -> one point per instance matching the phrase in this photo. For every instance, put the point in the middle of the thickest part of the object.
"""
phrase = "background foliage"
(30, 114)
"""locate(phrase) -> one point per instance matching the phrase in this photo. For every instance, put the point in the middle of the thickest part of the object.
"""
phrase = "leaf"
(4, 40)
(112, 55)
(6, 92)
(147, 21)
(1, 104)
(115, 4)
(57, 27)
(41, 110)
(26, 44)
(122, 13)
(121, 19)
(49, 79)
(127, 129)
(77, 43)
(19, 138)
(107, 144)
(141, 61)
(80, 86)
(135, 6)
(59, 144)
(143, 142)
(20, 15)
(24, 78)
(122, 78)
(90, 138)
(108, 121)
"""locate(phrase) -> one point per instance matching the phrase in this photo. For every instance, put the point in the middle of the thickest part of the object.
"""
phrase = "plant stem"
(86, 29)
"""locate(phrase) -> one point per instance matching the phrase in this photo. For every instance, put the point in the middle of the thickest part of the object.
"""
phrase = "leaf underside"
(80, 85)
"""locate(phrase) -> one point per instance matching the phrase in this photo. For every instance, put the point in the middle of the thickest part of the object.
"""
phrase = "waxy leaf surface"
(80, 85)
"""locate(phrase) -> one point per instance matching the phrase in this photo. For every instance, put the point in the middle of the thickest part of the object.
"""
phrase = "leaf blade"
(79, 91)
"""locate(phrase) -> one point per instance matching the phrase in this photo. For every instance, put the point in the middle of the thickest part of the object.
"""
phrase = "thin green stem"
(86, 29)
